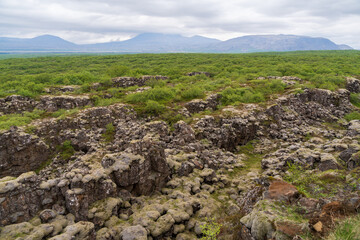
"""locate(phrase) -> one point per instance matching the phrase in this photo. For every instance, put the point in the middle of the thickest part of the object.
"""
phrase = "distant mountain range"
(168, 43)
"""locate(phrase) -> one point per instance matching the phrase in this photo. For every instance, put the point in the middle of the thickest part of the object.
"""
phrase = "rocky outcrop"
(54, 103)
(288, 80)
(16, 104)
(313, 104)
(133, 81)
(85, 129)
(78, 189)
(280, 78)
(21, 152)
(134, 233)
(19, 104)
(353, 85)
(137, 174)
(198, 105)
(226, 133)
(198, 73)
(61, 89)
(135, 178)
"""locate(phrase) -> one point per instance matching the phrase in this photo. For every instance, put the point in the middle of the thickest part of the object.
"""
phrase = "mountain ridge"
(168, 43)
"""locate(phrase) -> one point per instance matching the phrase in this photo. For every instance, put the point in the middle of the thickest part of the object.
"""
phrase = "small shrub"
(355, 99)
(154, 108)
(43, 165)
(117, 71)
(347, 229)
(109, 132)
(66, 150)
(171, 117)
(63, 113)
(243, 95)
(101, 102)
(155, 83)
(158, 94)
(352, 116)
(6, 121)
(191, 93)
(210, 230)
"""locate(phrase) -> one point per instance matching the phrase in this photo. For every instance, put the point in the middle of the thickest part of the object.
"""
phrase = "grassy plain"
(232, 75)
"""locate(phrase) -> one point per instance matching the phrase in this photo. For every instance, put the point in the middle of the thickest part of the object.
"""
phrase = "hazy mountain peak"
(162, 43)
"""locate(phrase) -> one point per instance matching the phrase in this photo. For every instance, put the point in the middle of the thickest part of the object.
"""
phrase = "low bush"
(109, 132)
(352, 116)
(66, 150)
(9, 120)
(242, 95)
(347, 229)
(210, 230)
(159, 94)
(154, 108)
(192, 93)
(117, 71)
(355, 99)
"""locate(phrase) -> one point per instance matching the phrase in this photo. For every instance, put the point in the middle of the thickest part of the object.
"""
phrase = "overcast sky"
(90, 21)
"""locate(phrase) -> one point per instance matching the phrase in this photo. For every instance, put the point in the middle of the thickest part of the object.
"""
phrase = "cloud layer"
(90, 21)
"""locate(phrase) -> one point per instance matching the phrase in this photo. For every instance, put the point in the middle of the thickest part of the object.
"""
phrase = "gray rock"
(353, 84)
(47, 215)
(198, 73)
(21, 152)
(198, 105)
(134, 233)
(16, 104)
(327, 162)
(162, 225)
(132, 81)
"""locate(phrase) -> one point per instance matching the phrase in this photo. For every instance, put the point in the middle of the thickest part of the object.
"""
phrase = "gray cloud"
(89, 21)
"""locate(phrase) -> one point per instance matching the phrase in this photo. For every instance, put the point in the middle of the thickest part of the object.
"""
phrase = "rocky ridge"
(153, 182)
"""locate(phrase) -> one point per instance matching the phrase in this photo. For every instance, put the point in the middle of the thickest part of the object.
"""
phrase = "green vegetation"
(43, 165)
(352, 116)
(325, 69)
(66, 150)
(160, 94)
(347, 229)
(109, 132)
(210, 230)
(195, 92)
(315, 184)
(234, 76)
(244, 95)
(284, 211)
(6, 121)
(63, 113)
(253, 160)
(154, 108)
(355, 99)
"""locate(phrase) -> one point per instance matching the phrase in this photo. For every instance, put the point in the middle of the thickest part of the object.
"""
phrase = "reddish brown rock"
(323, 222)
(282, 191)
(289, 229)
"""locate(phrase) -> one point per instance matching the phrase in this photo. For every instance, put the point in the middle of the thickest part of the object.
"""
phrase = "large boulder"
(226, 133)
(140, 172)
